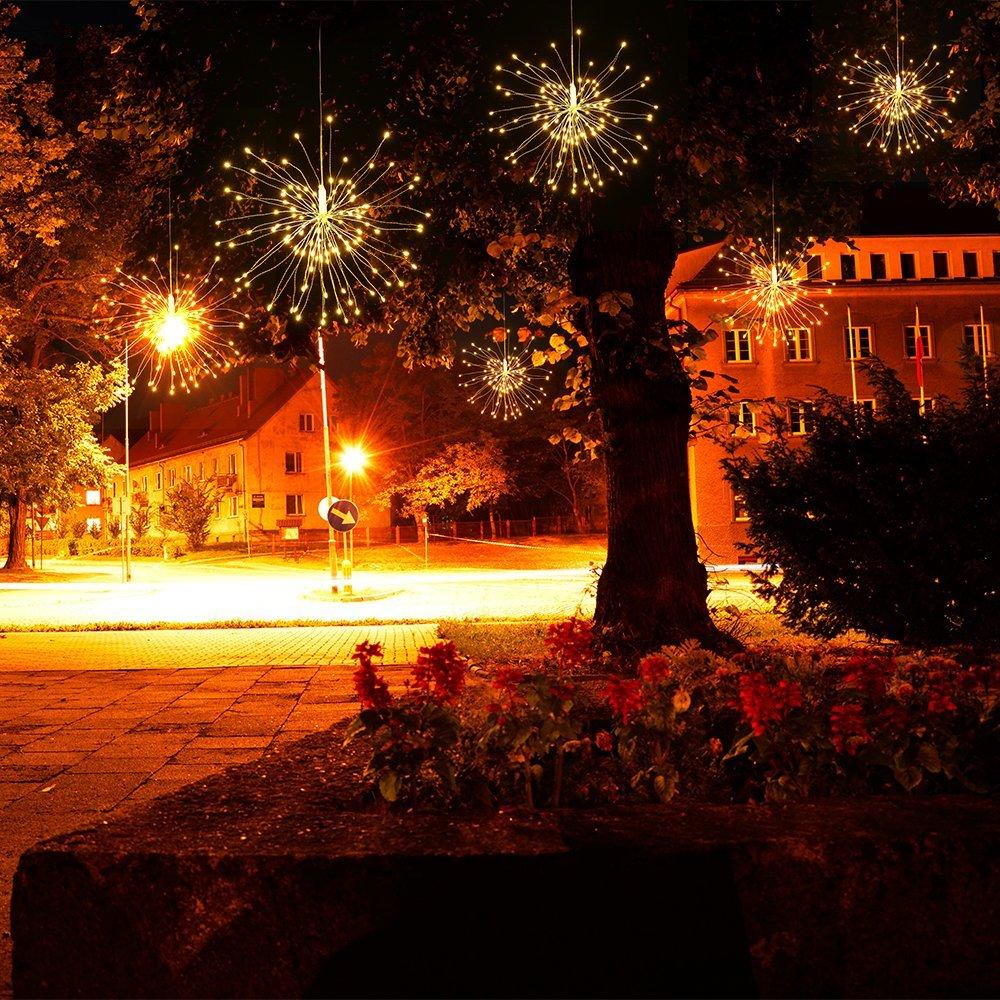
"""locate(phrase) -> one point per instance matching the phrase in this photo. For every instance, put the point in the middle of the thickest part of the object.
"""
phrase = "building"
(261, 446)
(952, 282)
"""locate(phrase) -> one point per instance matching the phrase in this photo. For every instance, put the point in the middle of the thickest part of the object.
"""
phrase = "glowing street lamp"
(352, 459)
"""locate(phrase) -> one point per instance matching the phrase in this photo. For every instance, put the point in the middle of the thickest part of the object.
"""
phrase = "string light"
(503, 380)
(898, 104)
(325, 228)
(178, 326)
(571, 121)
(771, 292)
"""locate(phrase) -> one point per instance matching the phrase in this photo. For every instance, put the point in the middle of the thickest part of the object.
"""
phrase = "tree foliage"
(886, 524)
(189, 509)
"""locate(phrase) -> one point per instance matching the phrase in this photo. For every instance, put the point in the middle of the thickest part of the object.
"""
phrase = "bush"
(886, 524)
(189, 509)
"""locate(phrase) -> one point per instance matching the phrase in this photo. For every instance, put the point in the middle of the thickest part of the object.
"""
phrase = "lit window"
(293, 461)
(877, 262)
(293, 504)
(941, 268)
(800, 416)
(740, 512)
(848, 267)
(910, 341)
(908, 266)
(798, 344)
(970, 263)
(306, 422)
(860, 345)
(737, 346)
(978, 339)
(93, 525)
(742, 415)
(187, 473)
(93, 498)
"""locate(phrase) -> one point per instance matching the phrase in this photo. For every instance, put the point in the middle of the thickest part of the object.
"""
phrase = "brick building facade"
(953, 280)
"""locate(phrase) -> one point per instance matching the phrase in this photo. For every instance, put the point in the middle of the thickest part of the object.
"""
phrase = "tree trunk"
(653, 589)
(17, 555)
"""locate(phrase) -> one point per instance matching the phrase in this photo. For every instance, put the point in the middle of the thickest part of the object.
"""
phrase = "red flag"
(919, 356)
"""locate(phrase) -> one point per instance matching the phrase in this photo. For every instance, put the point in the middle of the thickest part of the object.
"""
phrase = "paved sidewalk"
(77, 743)
(211, 647)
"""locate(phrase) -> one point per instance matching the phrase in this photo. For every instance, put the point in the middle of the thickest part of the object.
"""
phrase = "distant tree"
(470, 475)
(887, 524)
(189, 509)
(47, 443)
(139, 519)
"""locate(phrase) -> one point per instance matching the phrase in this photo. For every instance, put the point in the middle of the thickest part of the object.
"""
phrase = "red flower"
(603, 741)
(847, 728)
(370, 686)
(868, 675)
(507, 681)
(571, 643)
(625, 698)
(764, 703)
(715, 746)
(439, 672)
(654, 668)
(893, 717)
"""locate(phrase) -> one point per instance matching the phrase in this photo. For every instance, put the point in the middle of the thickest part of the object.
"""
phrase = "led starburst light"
(178, 326)
(574, 125)
(897, 103)
(501, 377)
(770, 292)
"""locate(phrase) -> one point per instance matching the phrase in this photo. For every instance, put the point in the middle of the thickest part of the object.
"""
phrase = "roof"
(218, 422)
(689, 264)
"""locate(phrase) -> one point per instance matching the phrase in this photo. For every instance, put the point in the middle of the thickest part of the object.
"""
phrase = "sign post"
(343, 517)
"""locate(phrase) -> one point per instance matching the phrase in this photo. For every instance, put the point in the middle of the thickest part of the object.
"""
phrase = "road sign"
(343, 515)
(324, 506)
(256, 500)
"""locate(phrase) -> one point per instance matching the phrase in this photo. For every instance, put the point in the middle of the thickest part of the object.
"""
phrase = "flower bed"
(771, 723)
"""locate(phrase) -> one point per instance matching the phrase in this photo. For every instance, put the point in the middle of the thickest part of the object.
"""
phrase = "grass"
(497, 641)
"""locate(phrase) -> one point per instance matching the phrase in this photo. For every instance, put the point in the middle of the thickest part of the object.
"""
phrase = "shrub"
(415, 736)
(887, 525)
(189, 509)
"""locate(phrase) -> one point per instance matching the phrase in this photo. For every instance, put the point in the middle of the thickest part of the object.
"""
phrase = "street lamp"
(352, 459)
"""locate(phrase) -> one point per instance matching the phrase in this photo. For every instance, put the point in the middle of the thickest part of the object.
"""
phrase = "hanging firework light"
(325, 230)
(897, 103)
(770, 291)
(573, 124)
(501, 377)
(179, 326)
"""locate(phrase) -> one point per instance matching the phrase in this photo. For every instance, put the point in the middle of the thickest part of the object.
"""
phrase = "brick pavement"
(77, 743)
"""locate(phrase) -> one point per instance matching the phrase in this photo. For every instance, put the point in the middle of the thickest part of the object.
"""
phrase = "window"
(233, 505)
(293, 461)
(172, 477)
(187, 473)
(293, 504)
(218, 508)
(114, 489)
(93, 498)
(742, 415)
(996, 263)
(928, 405)
(970, 263)
(145, 484)
(93, 524)
(941, 269)
(814, 267)
(860, 345)
(232, 463)
(910, 341)
(848, 267)
(159, 480)
(215, 466)
(740, 507)
(306, 422)
(877, 261)
(978, 339)
(908, 266)
(201, 471)
(737, 346)
(800, 416)
(866, 408)
(798, 344)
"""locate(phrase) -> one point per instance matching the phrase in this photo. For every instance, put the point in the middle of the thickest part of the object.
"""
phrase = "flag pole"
(851, 355)
(918, 350)
(984, 344)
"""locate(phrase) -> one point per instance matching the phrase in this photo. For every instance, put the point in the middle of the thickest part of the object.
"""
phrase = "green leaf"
(388, 786)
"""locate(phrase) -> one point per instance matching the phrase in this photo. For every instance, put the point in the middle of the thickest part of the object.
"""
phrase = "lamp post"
(127, 495)
(353, 459)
